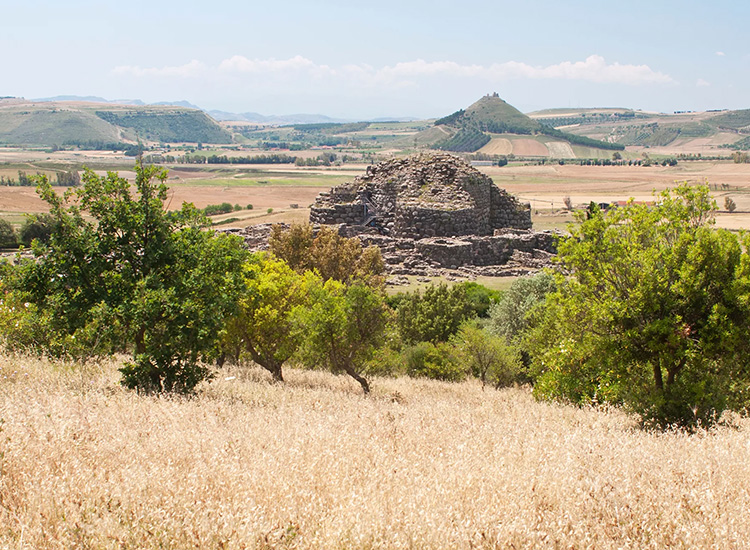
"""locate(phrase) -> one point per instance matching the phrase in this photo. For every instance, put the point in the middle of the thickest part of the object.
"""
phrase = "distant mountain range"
(225, 116)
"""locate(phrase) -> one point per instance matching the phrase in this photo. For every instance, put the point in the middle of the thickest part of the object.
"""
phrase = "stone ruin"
(421, 196)
(431, 214)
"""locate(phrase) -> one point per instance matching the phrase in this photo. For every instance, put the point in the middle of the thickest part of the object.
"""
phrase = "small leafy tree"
(489, 357)
(333, 256)
(729, 204)
(433, 316)
(654, 314)
(509, 316)
(37, 226)
(130, 275)
(263, 324)
(341, 327)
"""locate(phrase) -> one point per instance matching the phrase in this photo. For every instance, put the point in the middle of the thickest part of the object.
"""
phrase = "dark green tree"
(8, 237)
(120, 272)
(433, 316)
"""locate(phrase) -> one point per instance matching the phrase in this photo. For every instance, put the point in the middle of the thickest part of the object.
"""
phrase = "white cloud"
(241, 64)
(411, 73)
(720, 54)
(193, 69)
(593, 69)
(702, 83)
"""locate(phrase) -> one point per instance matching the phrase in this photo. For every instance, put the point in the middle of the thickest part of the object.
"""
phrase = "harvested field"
(560, 149)
(498, 146)
(529, 148)
(25, 199)
(313, 464)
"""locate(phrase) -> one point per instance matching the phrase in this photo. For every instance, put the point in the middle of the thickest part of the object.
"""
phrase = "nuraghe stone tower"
(431, 214)
(421, 196)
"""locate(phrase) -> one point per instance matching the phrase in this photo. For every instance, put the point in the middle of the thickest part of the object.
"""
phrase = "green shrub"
(216, 209)
(249, 207)
(8, 237)
(37, 226)
(487, 356)
(269, 211)
(509, 316)
(437, 362)
(481, 298)
(434, 316)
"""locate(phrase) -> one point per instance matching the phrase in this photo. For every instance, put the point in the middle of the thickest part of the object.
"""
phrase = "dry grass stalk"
(313, 464)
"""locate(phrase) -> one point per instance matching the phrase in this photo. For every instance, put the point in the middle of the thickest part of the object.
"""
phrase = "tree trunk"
(276, 372)
(658, 380)
(271, 365)
(362, 381)
(671, 374)
(140, 341)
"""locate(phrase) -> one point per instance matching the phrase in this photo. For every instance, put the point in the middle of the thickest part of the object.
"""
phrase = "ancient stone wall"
(417, 222)
(511, 252)
(425, 195)
(506, 211)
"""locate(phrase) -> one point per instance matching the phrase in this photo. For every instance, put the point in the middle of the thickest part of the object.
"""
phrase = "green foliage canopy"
(341, 327)
(331, 255)
(654, 313)
(8, 237)
(433, 316)
(263, 324)
(130, 275)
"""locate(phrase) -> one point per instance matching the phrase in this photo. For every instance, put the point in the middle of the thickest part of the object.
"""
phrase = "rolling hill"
(680, 131)
(74, 122)
(493, 126)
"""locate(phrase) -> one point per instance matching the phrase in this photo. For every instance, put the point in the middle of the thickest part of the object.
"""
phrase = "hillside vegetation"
(53, 127)
(491, 115)
(72, 123)
(314, 464)
(649, 129)
(176, 126)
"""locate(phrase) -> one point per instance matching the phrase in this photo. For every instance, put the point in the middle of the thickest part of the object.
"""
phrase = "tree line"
(63, 178)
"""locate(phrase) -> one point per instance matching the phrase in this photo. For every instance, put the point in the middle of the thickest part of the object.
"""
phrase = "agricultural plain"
(279, 187)
(311, 463)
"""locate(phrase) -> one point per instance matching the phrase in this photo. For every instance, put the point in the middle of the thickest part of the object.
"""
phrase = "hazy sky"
(355, 59)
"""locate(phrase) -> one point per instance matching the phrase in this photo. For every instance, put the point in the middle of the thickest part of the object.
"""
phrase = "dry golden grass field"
(312, 464)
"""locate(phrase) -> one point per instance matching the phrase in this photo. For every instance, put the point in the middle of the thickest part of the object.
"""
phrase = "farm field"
(278, 187)
(311, 463)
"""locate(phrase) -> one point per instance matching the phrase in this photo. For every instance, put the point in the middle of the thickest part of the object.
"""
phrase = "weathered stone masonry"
(433, 215)
(434, 211)
(426, 195)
